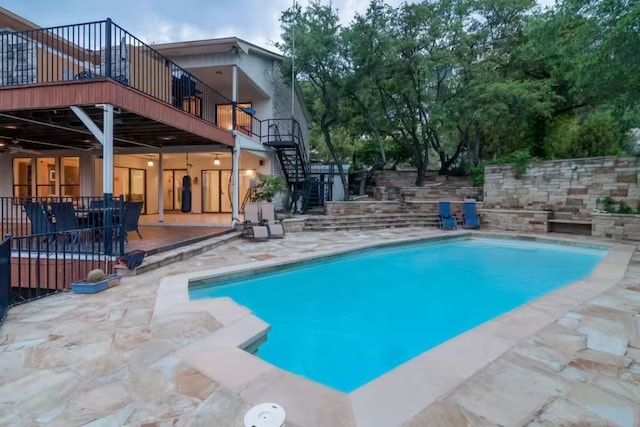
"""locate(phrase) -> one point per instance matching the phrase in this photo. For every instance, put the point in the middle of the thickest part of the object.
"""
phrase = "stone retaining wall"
(515, 220)
(571, 186)
(617, 227)
(391, 183)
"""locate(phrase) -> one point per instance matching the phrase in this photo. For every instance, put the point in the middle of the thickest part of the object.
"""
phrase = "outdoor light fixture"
(216, 161)
(150, 163)
(250, 172)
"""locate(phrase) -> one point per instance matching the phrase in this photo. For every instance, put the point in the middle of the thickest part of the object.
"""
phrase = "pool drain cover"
(265, 415)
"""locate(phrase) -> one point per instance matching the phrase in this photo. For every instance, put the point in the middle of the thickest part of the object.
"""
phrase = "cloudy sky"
(162, 21)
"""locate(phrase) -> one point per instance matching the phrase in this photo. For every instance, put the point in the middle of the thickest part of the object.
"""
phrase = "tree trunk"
(422, 172)
(476, 145)
(327, 140)
(363, 182)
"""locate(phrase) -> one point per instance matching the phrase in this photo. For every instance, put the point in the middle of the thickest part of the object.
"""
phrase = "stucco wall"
(571, 186)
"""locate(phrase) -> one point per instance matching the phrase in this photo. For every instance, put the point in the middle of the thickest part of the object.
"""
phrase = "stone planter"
(82, 287)
(620, 227)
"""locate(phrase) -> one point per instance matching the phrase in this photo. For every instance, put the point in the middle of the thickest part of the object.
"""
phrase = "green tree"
(311, 36)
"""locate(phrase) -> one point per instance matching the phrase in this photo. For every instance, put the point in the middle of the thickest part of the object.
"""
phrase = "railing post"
(107, 48)
(121, 214)
(234, 96)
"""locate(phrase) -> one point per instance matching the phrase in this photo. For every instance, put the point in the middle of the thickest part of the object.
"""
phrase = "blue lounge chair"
(447, 220)
(470, 217)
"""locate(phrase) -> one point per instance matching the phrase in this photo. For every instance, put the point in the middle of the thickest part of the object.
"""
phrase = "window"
(46, 177)
(70, 176)
(224, 117)
(22, 174)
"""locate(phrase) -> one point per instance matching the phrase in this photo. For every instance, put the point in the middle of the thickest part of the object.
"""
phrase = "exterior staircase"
(369, 222)
(285, 136)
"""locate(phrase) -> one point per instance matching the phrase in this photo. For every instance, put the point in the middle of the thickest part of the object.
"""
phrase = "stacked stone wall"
(567, 186)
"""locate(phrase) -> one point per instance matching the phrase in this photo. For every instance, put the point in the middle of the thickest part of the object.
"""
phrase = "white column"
(107, 151)
(160, 187)
(235, 200)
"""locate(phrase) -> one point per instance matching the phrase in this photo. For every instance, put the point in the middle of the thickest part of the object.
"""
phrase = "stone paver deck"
(106, 360)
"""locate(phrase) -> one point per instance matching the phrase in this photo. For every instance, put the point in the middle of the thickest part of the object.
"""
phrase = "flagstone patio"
(105, 360)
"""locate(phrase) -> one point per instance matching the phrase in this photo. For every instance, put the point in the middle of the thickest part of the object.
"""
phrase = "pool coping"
(400, 393)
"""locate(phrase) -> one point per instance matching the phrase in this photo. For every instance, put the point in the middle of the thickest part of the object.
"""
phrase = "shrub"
(96, 276)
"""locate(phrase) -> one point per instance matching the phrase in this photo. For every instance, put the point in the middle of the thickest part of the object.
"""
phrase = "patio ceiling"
(60, 128)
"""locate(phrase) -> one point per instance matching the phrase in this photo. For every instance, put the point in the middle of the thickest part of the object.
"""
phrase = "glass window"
(224, 117)
(70, 176)
(120, 181)
(22, 176)
(46, 177)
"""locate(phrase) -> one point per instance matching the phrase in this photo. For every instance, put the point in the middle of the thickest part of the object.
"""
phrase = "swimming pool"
(346, 321)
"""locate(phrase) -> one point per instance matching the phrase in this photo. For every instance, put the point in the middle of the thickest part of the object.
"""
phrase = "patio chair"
(447, 220)
(268, 215)
(252, 228)
(132, 211)
(96, 204)
(470, 217)
(66, 220)
(41, 223)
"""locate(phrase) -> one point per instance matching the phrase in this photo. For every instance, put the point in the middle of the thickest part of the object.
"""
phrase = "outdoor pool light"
(216, 161)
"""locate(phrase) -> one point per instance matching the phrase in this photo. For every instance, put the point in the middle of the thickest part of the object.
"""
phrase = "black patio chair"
(66, 220)
(41, 223)
(132, 211)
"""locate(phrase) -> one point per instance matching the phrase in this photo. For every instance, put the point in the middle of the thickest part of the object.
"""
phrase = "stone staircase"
(370, 221)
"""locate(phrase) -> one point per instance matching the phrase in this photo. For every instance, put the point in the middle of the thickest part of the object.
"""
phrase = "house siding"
(281, 99)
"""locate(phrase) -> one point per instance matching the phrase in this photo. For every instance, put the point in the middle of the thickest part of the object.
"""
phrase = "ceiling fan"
(16, 148)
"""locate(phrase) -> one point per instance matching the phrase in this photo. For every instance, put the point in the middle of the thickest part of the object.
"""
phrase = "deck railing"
(32, 267)
(93, 226)
(5, 277)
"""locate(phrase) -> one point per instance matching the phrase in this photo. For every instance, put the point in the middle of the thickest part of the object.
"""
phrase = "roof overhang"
(212, 46)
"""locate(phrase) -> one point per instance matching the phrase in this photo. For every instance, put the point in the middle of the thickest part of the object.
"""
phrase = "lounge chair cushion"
(260, 232)
(275, 229)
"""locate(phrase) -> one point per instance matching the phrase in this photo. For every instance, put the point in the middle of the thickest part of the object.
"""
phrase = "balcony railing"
(103, 50)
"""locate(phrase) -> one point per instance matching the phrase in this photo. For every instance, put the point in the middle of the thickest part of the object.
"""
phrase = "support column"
(160, 187)
(107, 176)
(235, 172)
(235, 176)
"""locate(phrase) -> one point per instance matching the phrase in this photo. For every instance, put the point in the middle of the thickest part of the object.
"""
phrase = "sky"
(162, 21)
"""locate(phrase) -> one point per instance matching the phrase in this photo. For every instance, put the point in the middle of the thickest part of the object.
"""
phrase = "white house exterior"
(37, 160)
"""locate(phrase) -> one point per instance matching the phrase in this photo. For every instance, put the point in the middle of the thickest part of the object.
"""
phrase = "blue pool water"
(346, 321)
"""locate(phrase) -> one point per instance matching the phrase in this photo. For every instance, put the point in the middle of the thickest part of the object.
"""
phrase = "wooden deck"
(160, 238)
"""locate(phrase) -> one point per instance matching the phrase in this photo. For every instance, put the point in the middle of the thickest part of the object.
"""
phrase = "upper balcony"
(99, 62)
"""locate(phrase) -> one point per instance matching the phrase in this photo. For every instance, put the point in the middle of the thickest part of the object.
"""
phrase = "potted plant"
(269, 186)
(95, 282)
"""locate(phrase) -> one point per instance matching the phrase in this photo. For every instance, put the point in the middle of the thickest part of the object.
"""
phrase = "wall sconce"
(216, 161)
(150, 163)
(250, 172)
(195, 180)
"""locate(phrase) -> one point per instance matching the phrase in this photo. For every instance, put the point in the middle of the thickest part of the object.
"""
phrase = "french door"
(172, 189)
(217, 189)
